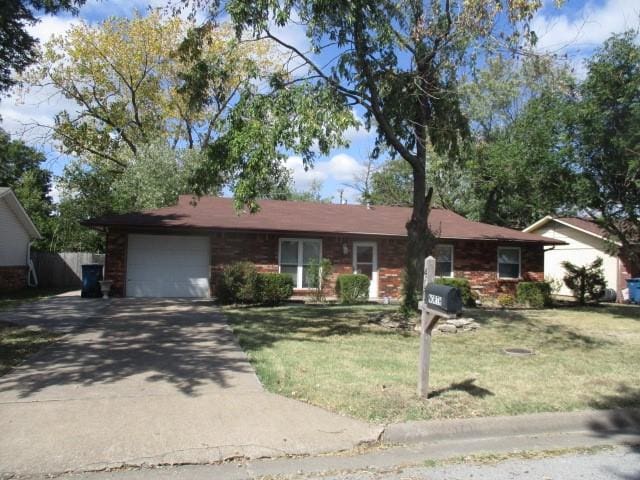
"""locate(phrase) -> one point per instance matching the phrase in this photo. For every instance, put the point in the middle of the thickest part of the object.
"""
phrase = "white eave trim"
(548, 219)
(20, 212)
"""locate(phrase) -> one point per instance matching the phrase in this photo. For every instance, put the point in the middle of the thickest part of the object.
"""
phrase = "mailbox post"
(438, 301)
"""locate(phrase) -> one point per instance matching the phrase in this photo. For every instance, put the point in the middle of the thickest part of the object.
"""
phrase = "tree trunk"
(420, 241)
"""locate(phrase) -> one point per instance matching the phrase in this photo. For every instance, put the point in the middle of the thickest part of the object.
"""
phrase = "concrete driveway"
(150, 382)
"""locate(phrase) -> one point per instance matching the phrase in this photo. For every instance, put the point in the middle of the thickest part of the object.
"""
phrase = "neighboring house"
(585, 241)
(179, 251)
(17, 231)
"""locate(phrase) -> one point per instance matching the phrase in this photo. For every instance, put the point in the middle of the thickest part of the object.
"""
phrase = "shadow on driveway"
(136, 347)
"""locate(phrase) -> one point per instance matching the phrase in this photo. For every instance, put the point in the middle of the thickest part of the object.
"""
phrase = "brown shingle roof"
(584, 224)
(213, 213)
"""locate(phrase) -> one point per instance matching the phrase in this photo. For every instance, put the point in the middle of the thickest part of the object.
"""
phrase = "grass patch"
(13, 299)
(496, 458)
(17, 343)
(333, 357)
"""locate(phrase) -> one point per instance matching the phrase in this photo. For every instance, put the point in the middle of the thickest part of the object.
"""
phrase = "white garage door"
(167, 266)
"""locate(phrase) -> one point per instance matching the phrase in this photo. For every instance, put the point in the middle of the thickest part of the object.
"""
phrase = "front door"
(365, 262)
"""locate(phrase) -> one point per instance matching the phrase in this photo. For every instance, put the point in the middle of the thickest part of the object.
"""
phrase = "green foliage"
(554, 284)
(587, 282)
(17, 46)
(274, 288)
(534, 294)
(506, 300)
(127, 77)
(21, 170)
(392, 184)
(251, 151)
(469, 297)
(152, 179)
(400, 62)
(514, 170)
(238, 283)
(318, 274)
(352, 288)
(604, 121)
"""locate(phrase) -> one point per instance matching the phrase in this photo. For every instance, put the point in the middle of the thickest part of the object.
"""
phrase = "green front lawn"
(333, 357)
(17, 343)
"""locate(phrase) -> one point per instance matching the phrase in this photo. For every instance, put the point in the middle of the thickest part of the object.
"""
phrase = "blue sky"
(574, 29)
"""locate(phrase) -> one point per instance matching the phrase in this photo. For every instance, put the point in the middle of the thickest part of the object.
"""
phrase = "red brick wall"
(262, 249)
(474, 260)
(478, 262)
(115, 265)
(13, 278)
(626, 270)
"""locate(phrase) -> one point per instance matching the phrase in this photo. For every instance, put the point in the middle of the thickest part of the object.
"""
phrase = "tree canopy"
(605, 119)
(513, 168)
(18, 48)
(21, 169)
(400, 63)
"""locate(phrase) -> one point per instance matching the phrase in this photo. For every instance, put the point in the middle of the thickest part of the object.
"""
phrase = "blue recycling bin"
(91, 276)
(634, 290)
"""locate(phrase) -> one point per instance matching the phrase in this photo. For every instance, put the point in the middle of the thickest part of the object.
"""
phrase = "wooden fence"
(62, 270)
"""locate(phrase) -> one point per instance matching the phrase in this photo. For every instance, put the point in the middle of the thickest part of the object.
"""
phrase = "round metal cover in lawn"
(518, 352)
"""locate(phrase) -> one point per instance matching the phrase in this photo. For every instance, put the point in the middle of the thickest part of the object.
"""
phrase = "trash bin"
(634, 290)
(91, 276)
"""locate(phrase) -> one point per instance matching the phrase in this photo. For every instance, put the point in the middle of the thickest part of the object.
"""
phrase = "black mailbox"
(444, 299)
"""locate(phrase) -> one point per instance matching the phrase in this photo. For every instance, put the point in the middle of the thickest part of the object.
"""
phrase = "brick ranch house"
(179, 251)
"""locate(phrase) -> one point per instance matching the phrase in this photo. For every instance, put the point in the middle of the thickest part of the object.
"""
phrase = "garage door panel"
(167, 266)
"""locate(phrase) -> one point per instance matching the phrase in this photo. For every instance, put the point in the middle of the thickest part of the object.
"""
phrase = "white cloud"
(28, 113)
(51, 25)
(341, 168)
(586, 27)
(302, 177)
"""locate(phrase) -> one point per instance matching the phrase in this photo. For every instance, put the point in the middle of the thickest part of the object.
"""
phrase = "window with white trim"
(444, 260)
(295, 257)
(509, 262)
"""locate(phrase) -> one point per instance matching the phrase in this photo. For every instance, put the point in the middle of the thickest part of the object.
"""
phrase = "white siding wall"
(582, 249)
(14, 240)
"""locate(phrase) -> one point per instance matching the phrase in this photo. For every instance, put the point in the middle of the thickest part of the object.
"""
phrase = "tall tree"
(21, 169)
(154, 178)
(607, 140)
(400, 63)
(126, 78)
(18, 48)
(513, 169)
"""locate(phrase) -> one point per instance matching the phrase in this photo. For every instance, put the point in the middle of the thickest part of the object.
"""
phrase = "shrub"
(554, 284)
(353, 288)
(587, 282)
(469, 297)
(274, 288)
(318, 273)
(238, 283)
(534, 294)
(506, 300)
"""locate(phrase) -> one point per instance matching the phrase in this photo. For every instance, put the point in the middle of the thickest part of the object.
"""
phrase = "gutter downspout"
(32, 277)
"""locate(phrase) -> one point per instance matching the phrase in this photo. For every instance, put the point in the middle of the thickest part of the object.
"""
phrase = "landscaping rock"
(447, 328)
(459, 322)
(392, 321)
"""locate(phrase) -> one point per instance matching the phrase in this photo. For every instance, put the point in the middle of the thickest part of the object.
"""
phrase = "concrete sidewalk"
(152, 382)
(448, 439)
